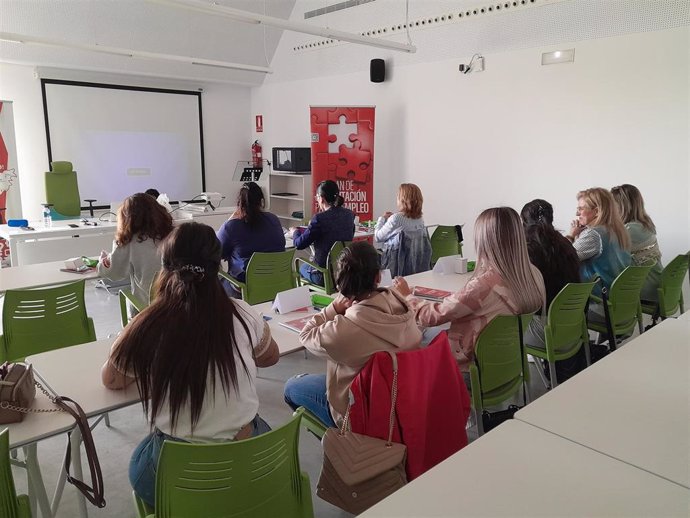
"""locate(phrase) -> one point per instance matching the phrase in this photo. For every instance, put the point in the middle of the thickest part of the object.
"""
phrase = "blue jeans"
(144, 462)
(309, 391)
(310, 274)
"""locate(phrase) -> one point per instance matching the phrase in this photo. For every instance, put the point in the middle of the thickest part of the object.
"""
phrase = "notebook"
(430, 293)
(297, 324)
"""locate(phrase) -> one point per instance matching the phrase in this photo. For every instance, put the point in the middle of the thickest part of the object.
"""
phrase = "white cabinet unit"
(291, 193)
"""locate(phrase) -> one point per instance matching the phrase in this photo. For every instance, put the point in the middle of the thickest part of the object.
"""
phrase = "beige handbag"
(17, 389)
(359, 471)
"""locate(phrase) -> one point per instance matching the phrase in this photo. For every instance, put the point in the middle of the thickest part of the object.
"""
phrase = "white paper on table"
(446, 265)
(386, 278)
(292, 300)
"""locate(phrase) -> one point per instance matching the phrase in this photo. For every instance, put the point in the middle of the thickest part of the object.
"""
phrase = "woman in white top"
(405, 241)
(141, 225)
(193, 353)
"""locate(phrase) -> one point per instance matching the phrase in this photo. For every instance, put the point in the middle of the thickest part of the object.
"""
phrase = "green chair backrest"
(127, 300)
(671, 286)
(62, 190)
(566, 323)
(444, 242)
(11, 505)
(500, 364)
(256, 477)
(35, 321)
(268, 273)
(624, 298)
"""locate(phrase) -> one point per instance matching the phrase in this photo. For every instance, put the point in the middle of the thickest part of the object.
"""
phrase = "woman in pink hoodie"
(361, 321)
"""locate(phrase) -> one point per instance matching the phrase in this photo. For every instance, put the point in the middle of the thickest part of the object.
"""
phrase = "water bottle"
(47, 218)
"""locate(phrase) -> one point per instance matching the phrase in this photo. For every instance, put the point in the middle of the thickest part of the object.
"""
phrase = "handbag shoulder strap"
(94, 494)
(607, 317)
(394, 397)
(522, 360)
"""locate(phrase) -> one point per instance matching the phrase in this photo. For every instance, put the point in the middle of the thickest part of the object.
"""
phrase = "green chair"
(444, 242)
(328, 271)
(258, 477)
(268, 273)
(624, 303)
(497, 373)
(311, 422)
(11, 504)
(565, 331)
(670, 291)
(40, 320)
(62, 191)
(127, 298)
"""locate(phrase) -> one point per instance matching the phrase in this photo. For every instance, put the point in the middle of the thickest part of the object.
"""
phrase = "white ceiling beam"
(129, 53)
(306, 28)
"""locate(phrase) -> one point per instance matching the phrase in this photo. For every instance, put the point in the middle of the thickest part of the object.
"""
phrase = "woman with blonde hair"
(504, 283)
(142, 223)
(644, 247)
(599, 236)
(404, 229)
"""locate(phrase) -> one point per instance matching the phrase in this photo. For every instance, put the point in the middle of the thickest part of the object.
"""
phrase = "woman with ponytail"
(333, 223)
(557, 261)
(361, 321)
(193, 354)
(250, 229)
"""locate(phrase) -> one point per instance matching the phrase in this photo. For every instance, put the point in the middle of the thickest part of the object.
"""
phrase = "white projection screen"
(122, 140)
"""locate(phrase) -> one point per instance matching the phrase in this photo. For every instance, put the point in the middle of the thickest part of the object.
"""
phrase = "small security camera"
(463, 68)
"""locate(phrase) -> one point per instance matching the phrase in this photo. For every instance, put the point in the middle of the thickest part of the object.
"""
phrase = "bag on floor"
(359, 471)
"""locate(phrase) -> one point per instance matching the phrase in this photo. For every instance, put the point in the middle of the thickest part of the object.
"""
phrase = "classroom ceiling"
(440, 29)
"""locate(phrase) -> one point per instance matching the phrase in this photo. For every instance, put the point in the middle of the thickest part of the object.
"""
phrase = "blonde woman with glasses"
(599, 237)
(644, 247)
(504, 283)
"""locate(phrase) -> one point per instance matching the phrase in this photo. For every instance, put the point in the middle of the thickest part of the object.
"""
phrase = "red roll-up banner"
(342, 149)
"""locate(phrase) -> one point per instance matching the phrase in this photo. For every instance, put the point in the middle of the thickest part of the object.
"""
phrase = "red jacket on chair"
(432, 403)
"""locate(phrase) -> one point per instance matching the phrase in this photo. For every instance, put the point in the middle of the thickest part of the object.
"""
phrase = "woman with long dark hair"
(142, 223)
(555, 257)
(193, 354)
(333, 223)
(250, 229)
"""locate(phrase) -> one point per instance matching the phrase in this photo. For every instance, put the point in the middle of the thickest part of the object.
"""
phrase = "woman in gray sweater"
(142, 223)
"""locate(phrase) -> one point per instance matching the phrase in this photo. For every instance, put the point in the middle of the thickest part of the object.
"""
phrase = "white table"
(74, 372)
(685, 317)
(58, 241)
(519, 470)
(39, 275)
(360, 234)
(438, 281)
(633, 405)
(287, 339)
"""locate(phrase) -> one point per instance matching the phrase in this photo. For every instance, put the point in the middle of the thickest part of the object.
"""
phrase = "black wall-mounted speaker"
(377, 71)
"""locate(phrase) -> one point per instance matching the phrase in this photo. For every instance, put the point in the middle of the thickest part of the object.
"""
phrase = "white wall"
(226, 128)
(520, 130)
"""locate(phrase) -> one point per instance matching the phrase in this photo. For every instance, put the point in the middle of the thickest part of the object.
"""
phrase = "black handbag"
(491, 420)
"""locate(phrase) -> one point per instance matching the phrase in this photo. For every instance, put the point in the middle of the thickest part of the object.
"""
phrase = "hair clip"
(192, 268)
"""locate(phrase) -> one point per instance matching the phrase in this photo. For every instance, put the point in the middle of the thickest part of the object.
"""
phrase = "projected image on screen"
(122, 141)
